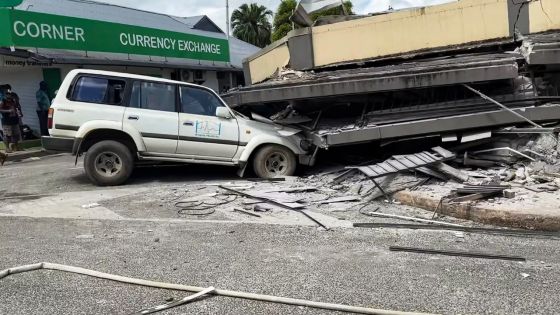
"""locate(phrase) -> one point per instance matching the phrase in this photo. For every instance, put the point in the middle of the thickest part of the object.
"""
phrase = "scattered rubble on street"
(523, 175)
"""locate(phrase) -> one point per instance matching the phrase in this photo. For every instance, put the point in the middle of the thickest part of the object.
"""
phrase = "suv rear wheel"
(108, 163)
(274, 161)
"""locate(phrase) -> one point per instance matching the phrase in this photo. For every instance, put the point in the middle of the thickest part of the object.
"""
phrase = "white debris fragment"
(460, 234)
(525, 275)
(91, 205)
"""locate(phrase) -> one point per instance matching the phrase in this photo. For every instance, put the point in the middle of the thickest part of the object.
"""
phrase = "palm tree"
(251, 24)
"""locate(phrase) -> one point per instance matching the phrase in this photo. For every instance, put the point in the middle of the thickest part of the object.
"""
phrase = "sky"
(215, 9)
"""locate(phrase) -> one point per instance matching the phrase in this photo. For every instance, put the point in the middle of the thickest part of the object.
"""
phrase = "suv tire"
(274, 161)
(108, 163)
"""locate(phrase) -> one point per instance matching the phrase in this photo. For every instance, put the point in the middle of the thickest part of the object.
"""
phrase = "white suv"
(118, 119)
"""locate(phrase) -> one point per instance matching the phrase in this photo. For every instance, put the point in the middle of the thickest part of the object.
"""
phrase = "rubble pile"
(514, 172)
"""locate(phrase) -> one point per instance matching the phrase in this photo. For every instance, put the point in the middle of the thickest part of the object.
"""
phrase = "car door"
(153, 112)
(202, 134)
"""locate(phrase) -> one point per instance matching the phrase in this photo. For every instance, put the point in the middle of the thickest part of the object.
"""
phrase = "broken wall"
(448, 26)
(267, 62)
(411, 30)
(544, 15)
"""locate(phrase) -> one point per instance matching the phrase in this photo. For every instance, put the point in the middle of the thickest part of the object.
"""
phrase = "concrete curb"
(483, 213)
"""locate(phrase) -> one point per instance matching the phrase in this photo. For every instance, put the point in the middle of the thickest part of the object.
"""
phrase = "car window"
(99, 90)
(198, 101)
(154, 96)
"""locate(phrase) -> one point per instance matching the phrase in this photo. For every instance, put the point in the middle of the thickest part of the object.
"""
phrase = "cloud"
(216, 9)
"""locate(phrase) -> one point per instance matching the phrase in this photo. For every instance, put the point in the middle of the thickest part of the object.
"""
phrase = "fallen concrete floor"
(136, 231)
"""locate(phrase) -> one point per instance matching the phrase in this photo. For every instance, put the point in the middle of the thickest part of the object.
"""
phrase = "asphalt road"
(346, 265)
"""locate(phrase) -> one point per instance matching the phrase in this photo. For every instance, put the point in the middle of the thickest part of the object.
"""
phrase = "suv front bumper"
(58, 144)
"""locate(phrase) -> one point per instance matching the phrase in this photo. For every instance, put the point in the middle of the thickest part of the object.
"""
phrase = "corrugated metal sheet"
(401, 163)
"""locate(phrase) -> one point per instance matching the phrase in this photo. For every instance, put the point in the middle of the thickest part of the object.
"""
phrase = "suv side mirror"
(223, 112)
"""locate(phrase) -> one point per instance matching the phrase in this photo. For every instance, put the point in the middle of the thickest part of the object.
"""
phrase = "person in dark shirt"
(10, 110)
(43, 104)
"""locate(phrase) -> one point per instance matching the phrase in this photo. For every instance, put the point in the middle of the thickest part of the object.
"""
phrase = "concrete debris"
(340, 199)
(285, 74)
(355, 190)
(460, 234)
(439, 172)
(91, 205)
(509, 194)
(506, 149)
(246, 212)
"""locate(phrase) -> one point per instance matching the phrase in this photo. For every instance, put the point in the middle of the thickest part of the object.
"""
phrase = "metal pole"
(227, 19)
(227, 30)
(488, 98)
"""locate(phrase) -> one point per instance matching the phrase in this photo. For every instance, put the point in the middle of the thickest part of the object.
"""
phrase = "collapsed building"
(449, 71)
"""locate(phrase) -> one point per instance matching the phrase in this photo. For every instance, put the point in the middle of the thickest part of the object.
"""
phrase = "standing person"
(18, 109)
(3, 156)
(43, 104)
(10, 119)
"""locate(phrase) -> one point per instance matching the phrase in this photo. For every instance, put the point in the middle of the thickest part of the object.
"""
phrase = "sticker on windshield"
(208, 129)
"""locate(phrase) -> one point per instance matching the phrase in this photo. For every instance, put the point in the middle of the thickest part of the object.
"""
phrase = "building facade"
(44, 40)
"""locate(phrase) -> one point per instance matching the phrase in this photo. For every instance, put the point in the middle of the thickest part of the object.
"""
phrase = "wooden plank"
(432, 173)
(443, 152)
(451, 172)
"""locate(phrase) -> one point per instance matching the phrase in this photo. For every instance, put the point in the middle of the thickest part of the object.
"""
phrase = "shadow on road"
(181, 173)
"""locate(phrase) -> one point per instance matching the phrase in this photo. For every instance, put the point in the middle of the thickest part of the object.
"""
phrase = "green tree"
(348, 6)
(250, 23)
(283, 25)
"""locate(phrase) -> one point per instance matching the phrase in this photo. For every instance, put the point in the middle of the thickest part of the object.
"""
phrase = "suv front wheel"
(108, 163)
(274, 161)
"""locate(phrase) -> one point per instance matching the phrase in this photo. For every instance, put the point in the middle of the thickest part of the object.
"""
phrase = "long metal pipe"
(488, 98)
(180, 287)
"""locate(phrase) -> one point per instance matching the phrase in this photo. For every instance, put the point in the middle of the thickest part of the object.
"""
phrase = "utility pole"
(227, 19)
(229, 46)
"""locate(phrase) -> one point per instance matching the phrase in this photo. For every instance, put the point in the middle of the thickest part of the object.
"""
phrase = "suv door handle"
(188, 123)
(133, 118)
